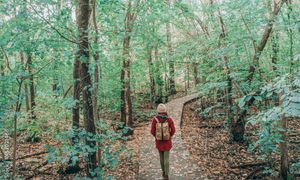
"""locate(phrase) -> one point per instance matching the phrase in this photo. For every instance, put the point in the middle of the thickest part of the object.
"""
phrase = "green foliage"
(269, 119)
(46, 31)
(73, 149)
(295, 167)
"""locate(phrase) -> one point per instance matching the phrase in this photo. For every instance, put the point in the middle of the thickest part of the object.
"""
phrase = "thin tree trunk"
(75, 108)
(76, 93)
(76, 86)
(96, 78)
(76, 101)
(25, 83)
(126, 105)
(55, 85)
(96, 70)
(188, 76)
(31, 86)
(17, 110)
(236, 132)
(2, 73)
(284, 163)
(85, 78)
(195, 73)
(151, 75)
(171, 62)
(185, 79)
(55, 81)
(290, 33)
(2, 69)
(159, 79)
(260, 47)
(275, 49)
(166, 83)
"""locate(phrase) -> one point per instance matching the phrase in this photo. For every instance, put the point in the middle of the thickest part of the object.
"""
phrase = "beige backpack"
(162, 130)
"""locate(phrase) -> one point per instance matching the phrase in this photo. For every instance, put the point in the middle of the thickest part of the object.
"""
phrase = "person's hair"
(161, 108)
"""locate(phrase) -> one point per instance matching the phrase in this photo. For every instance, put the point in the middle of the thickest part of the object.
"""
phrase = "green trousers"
(164, 161)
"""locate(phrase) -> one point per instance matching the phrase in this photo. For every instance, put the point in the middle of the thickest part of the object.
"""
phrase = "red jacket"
(163, 145)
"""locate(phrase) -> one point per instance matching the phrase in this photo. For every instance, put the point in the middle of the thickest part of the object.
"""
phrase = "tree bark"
(2, 73)
(158, 78)
(284, 163)
(31, 86)
(151, 75)
(172, 88)
(25, 83)
(17, 110)
(275, 49)
(188, 76)
(126, 105)
(230, 118)
(96, 70)
(290, 33)
(96, 77)
(195, 73)
(260, 47)
(55, 87)
(85, 78)
(76, 93)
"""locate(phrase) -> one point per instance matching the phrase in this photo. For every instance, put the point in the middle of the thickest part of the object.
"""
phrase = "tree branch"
(51, 26)
(249, 31)
(6, 58)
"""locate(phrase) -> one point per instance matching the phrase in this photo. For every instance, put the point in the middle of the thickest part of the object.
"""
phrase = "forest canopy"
(79, 77)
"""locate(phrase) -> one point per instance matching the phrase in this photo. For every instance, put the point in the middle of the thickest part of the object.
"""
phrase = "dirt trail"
(181, 164)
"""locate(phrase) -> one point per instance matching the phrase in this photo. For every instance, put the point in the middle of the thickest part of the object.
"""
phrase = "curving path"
(181, 166)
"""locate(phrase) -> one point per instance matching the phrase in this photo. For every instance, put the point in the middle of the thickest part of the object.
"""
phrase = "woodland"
(80, 81)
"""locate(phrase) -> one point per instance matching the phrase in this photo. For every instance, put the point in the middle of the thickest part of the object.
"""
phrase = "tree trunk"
(275, 49)
(239, 127)
(96, 70)
(188, 76)
(85, 78)
(2, 69)
(17, 110)
(96, 78)
(55, 87)
(25, 84)
(195, 72)
(172, 89)
(284, 163)
(258, 49)
(236, 128)
(31, 86)
(126, 105)
(76, 93)
(290, 34)
(158, 78)
(151, 75)
(167, 82)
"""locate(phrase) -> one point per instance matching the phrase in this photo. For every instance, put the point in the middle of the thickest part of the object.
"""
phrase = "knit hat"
(161, 108)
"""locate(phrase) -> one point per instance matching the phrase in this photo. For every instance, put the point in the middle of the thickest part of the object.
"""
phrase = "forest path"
(181, 165)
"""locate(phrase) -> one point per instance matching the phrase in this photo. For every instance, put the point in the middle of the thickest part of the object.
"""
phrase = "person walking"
(163, 128)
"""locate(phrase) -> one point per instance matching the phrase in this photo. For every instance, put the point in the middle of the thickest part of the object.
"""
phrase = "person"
(163, 146)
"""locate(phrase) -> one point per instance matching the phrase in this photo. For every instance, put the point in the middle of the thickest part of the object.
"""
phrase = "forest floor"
(33, 163)
(206, 139)
(208, 143)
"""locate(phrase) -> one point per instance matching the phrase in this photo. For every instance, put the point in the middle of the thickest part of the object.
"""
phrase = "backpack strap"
(156, 119)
